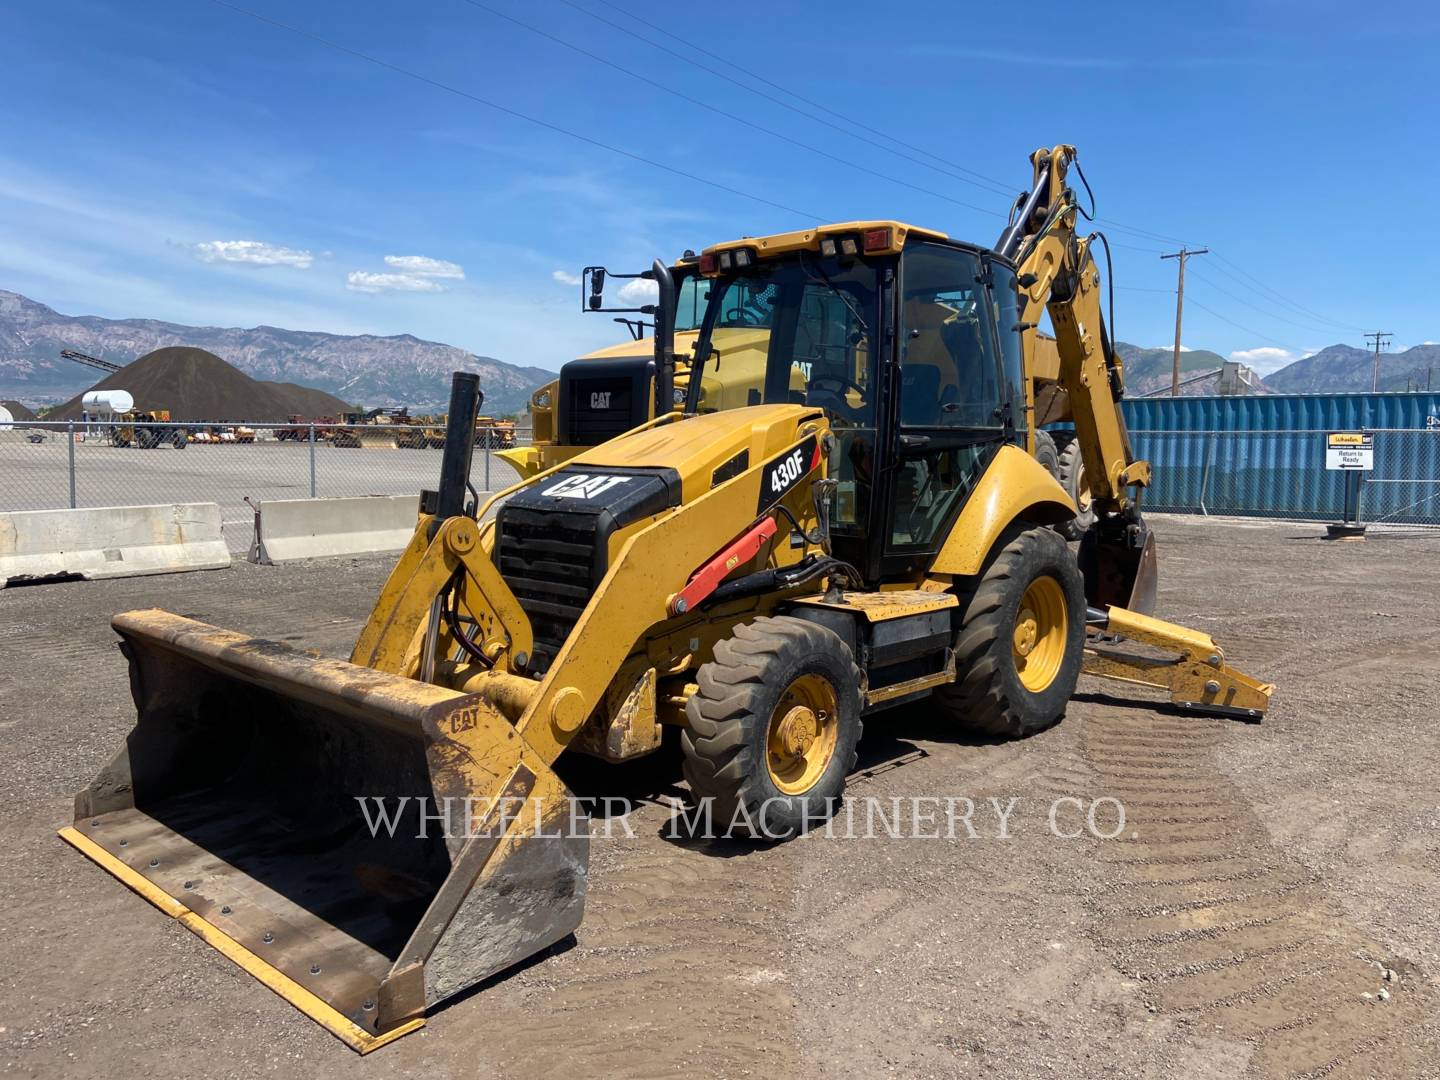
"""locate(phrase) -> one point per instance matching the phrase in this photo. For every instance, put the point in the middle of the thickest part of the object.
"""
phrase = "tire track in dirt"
(678, 969)
(1219, 927)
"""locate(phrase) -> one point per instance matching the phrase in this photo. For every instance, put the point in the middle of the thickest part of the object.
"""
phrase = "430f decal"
(784, 472)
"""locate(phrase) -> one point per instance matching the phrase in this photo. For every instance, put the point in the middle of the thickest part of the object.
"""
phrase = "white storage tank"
(107, 402)
(6, 420)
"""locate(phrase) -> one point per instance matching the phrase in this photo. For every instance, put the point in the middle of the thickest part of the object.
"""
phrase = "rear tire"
(1021, 640)
(1046, 453)
(773, 727)
(1070, 472)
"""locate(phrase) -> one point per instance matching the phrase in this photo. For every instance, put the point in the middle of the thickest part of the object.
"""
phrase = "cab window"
(950, 390)
(1005, 301)
(949, 374)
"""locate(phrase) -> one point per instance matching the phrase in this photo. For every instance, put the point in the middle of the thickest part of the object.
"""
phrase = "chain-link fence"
(45, 466)
(53, 465)
(1282, 474)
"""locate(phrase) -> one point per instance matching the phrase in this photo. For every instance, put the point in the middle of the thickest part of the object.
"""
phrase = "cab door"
(953, 402)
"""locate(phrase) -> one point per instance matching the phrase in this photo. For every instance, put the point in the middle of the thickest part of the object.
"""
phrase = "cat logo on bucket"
(583, 486)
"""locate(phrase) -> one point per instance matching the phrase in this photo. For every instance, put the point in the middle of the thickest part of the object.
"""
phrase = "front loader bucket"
(364, 844)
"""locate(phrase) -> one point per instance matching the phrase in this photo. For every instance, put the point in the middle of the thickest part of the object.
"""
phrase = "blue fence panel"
(1284, 412)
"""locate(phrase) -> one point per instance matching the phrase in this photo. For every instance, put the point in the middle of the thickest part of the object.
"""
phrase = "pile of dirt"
(17, 411)
(197, 385)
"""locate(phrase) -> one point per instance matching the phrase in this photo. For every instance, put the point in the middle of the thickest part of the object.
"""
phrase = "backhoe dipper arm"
(1057, 272)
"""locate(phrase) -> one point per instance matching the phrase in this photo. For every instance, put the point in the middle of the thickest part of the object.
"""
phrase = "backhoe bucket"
(364, 844)
(1117, 559)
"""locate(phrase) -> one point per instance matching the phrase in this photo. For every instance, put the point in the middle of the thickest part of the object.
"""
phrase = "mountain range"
(369, 370)
(1338, 368)
(364, 369)
(1148, 370)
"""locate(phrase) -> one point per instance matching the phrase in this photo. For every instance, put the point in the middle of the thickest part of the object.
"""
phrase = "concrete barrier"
(110, 541)
(287, 529)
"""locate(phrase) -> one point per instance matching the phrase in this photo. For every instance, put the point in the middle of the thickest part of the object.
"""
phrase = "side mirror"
(597, 287)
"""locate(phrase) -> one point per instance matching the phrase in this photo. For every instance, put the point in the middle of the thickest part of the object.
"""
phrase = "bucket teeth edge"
(331, 1019)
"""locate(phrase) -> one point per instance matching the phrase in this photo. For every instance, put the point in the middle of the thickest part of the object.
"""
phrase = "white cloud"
(425, 266)
(366, 282)
(639, 291)
(416, 273)
(1266, 358)
(565, 278)
(254, 252)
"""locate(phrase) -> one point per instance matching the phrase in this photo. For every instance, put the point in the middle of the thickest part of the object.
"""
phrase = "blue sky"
(185, 161)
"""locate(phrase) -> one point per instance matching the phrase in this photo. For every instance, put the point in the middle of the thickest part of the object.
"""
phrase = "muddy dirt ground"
(1242, 925)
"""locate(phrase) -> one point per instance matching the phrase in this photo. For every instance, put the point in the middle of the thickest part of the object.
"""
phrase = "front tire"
(1021, 640)
(773, 727)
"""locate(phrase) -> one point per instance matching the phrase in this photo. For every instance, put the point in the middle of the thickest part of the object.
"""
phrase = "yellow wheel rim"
(800, 739)
(1041, 627)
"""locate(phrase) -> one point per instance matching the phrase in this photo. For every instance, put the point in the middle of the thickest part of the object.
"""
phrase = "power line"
(999, 186)
(1282, 298)
(673, 170)
(1136, 247)
(1252, 333)
(478, 4)
(1255, 307)
(1146, 233)
(972, 177)
(517, 114)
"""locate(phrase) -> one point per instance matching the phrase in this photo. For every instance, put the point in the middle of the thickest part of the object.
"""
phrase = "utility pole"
(1183, 254)
(1379, 337)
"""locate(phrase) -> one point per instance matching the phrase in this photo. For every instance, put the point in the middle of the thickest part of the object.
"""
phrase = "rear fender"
(1015, 488)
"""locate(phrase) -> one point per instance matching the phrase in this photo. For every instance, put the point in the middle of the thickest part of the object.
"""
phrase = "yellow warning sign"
(1349, 438)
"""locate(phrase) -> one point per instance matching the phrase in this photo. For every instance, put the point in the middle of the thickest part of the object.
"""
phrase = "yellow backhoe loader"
(370, 837)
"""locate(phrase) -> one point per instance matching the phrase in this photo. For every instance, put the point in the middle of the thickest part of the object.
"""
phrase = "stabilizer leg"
(1195, 672)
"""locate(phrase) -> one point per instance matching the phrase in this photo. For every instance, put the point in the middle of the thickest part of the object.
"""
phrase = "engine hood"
(707, 449)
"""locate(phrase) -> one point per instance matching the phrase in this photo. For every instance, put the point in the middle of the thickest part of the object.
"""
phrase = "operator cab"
(909, 343)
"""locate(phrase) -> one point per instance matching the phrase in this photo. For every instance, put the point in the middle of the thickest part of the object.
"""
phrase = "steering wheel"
(832, 398)
(839, 380)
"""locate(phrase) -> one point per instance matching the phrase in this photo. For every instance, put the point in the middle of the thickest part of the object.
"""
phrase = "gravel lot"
(1267, 879)
(37, 476)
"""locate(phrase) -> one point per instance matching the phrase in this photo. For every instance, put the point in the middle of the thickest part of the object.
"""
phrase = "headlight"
(541, 400)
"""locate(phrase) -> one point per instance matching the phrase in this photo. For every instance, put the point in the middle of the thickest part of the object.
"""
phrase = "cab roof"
(809, 239)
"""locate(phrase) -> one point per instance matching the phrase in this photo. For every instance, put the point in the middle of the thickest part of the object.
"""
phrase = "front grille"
(549, 561)
(589, 425)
